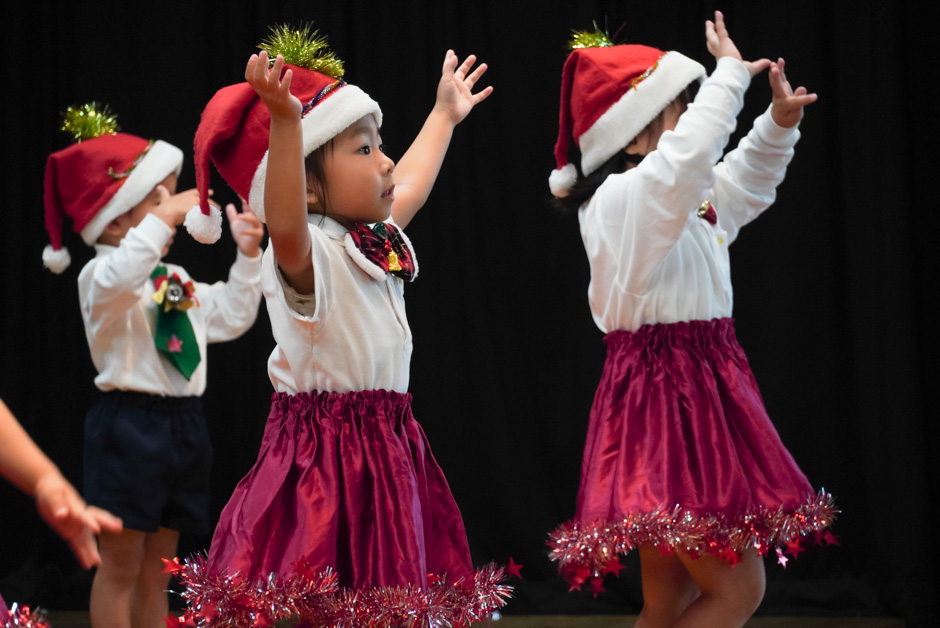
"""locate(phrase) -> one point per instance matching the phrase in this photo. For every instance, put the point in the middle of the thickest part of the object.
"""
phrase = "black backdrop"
(833, 284)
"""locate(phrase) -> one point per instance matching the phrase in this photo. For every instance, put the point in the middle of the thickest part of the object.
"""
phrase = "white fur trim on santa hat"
(203, 228)
(636, 109)
(160, 161)
(56, 261)
(323, 122)
(561, 180)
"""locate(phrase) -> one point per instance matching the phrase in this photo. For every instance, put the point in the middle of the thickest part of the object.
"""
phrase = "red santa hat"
(608, 95)
(233, 131)
(97, 180)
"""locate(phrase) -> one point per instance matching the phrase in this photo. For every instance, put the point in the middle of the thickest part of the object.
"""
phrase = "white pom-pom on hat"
(561, 180)
(204, 228)
(56, 260)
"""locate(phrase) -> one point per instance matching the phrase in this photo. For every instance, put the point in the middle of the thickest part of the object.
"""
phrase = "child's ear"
(313, 202)
(113, 228)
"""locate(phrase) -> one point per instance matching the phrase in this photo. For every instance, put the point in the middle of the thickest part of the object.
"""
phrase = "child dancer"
(345, 479)
(147, 450)
(681, 459)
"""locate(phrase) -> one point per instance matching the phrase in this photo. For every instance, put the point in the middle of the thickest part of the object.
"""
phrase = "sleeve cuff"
(154, 231)
(773, 134)
(246, 269)
(736, 69)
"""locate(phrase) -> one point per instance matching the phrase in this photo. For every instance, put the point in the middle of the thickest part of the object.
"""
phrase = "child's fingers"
(250, 68)
(482, 95)
(476, 74)
(720, 29)
(285, 82)
(231, 213)
(466, 65)
(106, 521)
(450, 62)
(85, 550)
(711, 37)
(756, 67)
(803, 100)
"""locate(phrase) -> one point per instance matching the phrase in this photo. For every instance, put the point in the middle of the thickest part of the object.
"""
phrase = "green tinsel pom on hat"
(589, 39)
(89, 121)
(304, 48)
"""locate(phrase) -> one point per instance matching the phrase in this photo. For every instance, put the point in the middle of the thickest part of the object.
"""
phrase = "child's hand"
(65, 512)
(720, 45)
(455, 95)
(273, 90)
(787, 106)
(172, 209)
(247, 230)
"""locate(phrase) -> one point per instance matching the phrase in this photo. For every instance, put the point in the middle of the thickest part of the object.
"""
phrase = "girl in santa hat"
(681, 460)
(345, 495)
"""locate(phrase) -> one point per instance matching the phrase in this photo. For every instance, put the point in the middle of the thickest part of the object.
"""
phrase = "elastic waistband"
(133, 399)
(694, 332)
(317, 397)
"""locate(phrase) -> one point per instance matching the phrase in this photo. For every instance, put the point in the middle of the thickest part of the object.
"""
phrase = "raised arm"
(285, 189)
(419, 166)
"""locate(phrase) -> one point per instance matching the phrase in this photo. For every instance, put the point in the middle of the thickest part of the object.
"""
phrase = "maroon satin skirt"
(678, 419)
(681, 454)
(345, 481)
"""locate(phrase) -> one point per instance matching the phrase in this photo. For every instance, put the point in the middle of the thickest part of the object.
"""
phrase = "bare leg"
(668, 589)
(151, 605)
(113, 588)
(730, 595)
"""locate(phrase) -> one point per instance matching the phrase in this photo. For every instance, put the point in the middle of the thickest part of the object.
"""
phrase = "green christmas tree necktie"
(174, 335)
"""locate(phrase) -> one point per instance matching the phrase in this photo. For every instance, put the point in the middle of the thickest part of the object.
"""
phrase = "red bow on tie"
(384, 246)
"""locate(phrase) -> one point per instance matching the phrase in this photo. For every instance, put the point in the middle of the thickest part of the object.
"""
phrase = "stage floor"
(80, 620)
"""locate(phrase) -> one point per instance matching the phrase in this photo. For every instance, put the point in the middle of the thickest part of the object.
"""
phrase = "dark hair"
(585, 186)
(316, 176)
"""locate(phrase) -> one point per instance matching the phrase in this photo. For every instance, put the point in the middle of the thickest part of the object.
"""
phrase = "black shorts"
(148, 459)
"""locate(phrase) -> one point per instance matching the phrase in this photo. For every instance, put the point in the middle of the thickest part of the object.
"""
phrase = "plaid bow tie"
(384, 246)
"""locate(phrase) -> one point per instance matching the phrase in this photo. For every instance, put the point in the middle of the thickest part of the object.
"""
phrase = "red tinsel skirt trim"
(21, 617)
(586, 552)
(218, 600)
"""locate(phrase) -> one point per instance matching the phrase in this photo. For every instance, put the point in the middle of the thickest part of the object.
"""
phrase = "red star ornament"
(172, 621)
(209, 612)
(261, 621)
(781, 558)
(794, 548)
(514, 568)
(613, 566)
(174, 344)
(172, 566)
(301, 568)
(730, 556)
(597, 586)
(577, 578)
